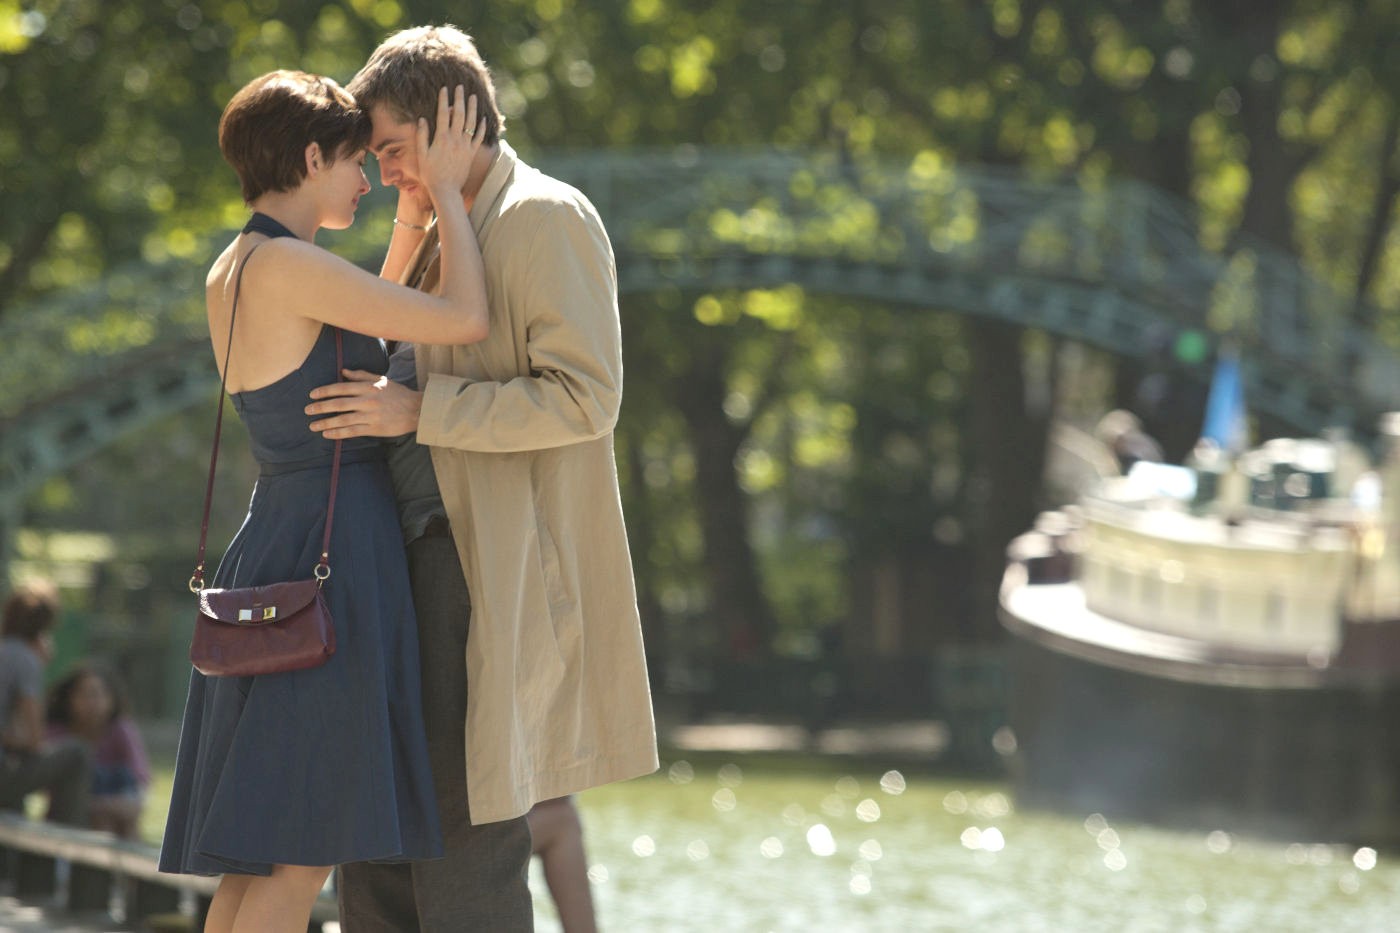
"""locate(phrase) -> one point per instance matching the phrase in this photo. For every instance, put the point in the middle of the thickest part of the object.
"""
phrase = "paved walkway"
(18, 917)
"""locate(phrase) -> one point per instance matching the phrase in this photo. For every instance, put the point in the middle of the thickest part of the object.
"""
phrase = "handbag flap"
(258, 604)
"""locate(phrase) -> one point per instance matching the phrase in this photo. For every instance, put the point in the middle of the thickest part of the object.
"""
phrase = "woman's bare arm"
(310, 282)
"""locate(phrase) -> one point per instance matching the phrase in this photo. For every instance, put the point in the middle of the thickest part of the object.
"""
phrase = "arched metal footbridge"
(1118, 266)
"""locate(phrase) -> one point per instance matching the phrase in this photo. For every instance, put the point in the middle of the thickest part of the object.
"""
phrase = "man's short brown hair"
(405, 73)
(31, 610)
(267, 126)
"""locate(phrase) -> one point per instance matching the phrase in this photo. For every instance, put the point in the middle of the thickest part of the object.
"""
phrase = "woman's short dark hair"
(31, 610)
(267, 126)
(60, 708)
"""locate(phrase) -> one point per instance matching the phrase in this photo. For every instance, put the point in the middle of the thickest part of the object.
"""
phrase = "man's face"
(395, 145)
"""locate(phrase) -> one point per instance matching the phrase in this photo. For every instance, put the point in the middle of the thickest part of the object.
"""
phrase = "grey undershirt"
(410, 463)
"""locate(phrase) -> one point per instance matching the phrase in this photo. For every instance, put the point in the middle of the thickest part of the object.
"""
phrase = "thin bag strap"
(322, 569)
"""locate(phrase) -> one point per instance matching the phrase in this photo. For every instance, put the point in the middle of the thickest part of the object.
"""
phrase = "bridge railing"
(919, 221)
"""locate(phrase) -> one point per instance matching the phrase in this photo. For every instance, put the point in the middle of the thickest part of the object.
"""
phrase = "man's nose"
(387, 176)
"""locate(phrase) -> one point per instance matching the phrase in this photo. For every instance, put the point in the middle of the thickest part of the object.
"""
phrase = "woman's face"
(343, 182)
(91, 703)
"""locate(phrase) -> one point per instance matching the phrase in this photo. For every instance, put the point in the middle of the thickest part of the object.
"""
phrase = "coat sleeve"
(566, 291)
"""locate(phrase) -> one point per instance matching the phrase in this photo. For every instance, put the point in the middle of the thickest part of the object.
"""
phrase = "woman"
(89, 705)
(280, 777)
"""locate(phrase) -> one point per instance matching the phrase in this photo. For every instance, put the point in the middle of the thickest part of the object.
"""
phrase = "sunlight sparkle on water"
(985, 840)
(871, 850)
(893, 783)
(644, 847)
(1365, 858)
(992, 806)
(681, 773)
(1115, 860)
(867, 811)
(772, 847)
(724, 800)
(820, 840)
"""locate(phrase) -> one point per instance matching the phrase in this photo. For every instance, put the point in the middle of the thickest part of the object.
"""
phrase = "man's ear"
(313, 159)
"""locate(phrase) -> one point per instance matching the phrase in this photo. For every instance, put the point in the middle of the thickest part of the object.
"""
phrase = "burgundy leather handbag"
(261, 629)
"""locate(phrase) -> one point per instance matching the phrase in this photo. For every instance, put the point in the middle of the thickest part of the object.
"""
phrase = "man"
(545, 694)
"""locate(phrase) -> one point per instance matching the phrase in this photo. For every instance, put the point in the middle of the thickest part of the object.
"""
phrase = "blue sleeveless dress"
(330, 764)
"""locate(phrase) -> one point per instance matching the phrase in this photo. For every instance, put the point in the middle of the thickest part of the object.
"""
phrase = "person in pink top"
(90, 704)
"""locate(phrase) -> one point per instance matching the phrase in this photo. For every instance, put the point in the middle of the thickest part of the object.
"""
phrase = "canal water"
(735, 843)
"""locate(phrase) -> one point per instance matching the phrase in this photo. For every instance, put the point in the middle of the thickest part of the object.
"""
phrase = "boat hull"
(1153, 732)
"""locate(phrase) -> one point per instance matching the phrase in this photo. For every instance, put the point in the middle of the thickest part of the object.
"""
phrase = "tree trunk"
(737, 601)
(1378, 229)
(1006, 452)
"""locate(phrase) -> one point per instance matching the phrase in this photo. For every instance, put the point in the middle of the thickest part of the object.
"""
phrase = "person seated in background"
(1122, 433)
(90, 704)
(64, 768)
(557, 833)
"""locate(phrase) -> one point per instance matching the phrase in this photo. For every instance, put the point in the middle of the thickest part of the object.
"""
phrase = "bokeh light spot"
(820, 840)
(1219, 842)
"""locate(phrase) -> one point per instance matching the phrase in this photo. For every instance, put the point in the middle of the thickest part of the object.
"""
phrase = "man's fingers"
(358, 381)
(338, 403)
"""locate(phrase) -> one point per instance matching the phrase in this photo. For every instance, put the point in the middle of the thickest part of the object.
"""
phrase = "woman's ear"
(313, 159)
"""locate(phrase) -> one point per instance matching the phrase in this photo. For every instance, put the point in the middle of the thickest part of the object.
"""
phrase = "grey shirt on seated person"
(21, 676)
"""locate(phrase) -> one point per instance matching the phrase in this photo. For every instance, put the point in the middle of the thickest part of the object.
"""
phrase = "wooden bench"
(98, 862)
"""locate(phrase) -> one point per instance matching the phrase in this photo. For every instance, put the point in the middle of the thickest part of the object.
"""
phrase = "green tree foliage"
(793, 461)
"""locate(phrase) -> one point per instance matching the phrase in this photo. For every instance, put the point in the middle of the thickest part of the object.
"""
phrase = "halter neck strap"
(261, 223)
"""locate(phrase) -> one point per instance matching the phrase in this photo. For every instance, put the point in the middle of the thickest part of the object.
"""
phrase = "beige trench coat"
(520, 428)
